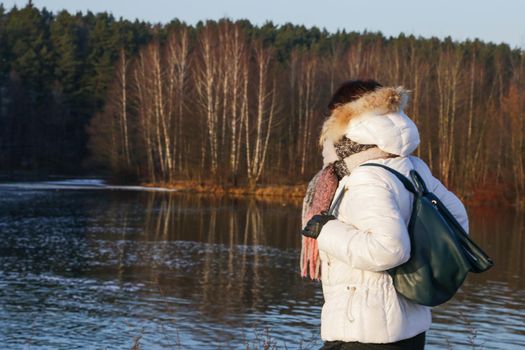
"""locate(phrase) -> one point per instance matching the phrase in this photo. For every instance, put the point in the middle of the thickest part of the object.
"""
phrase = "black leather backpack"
(441, 251)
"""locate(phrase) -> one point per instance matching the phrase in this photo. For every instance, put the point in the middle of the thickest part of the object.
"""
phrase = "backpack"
(441, 251)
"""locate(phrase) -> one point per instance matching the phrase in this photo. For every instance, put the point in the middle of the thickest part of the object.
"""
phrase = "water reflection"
(92, 269)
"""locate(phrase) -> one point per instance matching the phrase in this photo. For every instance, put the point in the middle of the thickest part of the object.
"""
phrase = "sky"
(488, 20)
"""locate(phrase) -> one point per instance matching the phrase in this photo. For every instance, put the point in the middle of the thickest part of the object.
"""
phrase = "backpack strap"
(404, 180)
(337, 202)
(418, 181)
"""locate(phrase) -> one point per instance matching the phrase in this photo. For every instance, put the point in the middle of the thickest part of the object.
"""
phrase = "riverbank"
(278, 193)
(487, 196)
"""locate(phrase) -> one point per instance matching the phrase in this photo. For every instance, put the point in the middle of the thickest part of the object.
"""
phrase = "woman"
(367, 235)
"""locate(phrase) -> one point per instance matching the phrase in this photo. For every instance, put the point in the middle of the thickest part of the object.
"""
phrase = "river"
(85, 266)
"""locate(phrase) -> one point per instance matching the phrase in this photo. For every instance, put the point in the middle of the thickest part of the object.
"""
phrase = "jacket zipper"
(350, 300)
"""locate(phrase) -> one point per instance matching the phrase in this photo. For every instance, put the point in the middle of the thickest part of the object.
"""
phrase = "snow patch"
(79, 184)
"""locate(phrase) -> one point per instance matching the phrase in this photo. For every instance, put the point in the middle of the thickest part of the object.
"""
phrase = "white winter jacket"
(370, 234)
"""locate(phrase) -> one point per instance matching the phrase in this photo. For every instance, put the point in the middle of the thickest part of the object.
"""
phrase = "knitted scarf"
(321, 191)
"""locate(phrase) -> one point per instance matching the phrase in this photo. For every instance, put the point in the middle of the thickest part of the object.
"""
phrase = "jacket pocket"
(349, 312)
(326, 266)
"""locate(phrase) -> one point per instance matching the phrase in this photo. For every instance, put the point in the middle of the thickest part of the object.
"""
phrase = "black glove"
(315, 224)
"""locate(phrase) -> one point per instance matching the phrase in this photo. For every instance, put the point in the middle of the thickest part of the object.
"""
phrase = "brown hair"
(351, 90)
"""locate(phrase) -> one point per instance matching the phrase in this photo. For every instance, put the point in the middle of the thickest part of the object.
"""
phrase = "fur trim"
(381, 101)
(329, 153)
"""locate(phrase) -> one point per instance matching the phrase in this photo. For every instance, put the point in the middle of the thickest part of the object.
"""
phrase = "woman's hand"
(315, 224)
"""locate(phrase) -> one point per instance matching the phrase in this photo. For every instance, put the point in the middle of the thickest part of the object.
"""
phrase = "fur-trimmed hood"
(375, 118)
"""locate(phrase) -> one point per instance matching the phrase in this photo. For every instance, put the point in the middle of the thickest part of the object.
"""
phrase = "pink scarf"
(319, 195)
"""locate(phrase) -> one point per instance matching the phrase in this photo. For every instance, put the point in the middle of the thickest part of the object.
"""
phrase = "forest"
(233, 104)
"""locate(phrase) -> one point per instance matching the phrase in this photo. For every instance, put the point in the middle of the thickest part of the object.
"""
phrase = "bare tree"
(177, 72)
(237, 59)
(448, 74)
(207, 87)
(142, 85)
(122, 81)
(264, 107)
(307, 105)
(514, 107)
(110, 127)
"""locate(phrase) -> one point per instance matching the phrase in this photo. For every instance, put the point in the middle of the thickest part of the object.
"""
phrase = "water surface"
(84, 268)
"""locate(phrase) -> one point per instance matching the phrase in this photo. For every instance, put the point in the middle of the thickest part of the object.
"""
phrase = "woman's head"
(350, 91)
(368, 113)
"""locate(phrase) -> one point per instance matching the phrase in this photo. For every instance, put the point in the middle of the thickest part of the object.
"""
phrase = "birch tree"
(236, 56)
(174, 81)
(143, 88)
(258, 133)
(207, 80)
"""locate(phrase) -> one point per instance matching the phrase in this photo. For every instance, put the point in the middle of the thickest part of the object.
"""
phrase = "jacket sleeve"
(449, 199)
(370, 233)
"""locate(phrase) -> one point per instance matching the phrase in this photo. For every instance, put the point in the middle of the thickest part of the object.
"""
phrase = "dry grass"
(274, 193)
(487, 195)
(261, 339)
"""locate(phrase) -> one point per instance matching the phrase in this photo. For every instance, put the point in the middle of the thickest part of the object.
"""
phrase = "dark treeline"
(238, 104)
(54, 74)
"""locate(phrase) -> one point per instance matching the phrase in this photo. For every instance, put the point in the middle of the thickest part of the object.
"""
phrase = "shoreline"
(295, 193)
(268, 193)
